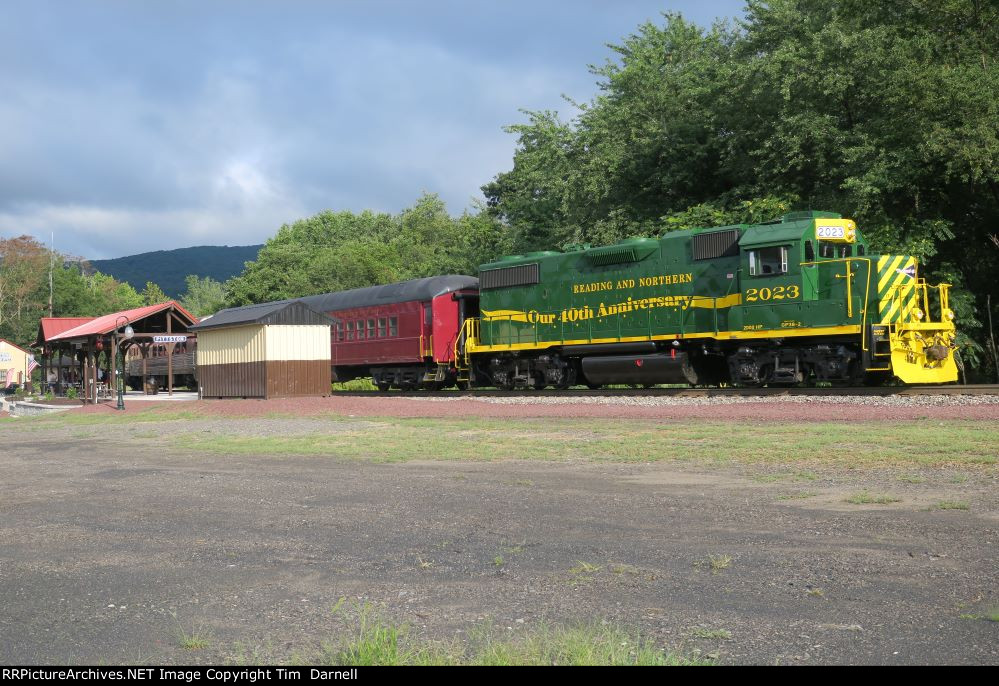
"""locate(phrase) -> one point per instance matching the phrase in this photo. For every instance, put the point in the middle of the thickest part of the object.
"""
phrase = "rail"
(687, 391)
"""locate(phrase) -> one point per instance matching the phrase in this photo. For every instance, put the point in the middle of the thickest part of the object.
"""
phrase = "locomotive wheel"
(568, 380)
(594, 386)
(383, 386)
(538, 382)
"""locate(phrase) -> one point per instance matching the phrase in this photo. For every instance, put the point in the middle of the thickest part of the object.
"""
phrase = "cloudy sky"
(133, 126)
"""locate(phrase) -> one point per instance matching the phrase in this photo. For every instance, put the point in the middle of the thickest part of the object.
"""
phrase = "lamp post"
(125, 335)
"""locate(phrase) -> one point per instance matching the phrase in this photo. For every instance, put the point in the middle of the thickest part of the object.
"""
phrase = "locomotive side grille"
(709, 246)
(521, 275)
(611, 256)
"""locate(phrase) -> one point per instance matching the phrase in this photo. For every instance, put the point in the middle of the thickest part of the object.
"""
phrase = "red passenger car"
(402, 335)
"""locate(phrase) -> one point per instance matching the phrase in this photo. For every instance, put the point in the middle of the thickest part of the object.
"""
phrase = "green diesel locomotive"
(794, 300)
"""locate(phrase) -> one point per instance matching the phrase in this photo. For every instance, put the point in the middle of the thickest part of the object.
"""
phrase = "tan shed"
(273, 350)
(16, 364)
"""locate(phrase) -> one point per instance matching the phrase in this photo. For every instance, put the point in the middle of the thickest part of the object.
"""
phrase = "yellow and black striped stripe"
(896, 288)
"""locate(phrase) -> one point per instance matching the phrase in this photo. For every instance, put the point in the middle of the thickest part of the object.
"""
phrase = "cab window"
(768, 261)
(829, 249)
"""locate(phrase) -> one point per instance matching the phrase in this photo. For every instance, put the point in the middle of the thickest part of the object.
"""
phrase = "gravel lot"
(115, 546)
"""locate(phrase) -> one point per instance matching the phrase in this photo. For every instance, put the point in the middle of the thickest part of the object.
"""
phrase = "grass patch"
(717, 563)
(912, 478)
(797, 496)
(354, 385)
(990, 615)
(584, 568)
(149, 414)
(384, 644)
(193, 641)
(865, 498)
(485, 439)
(952, 505)
(909, 444)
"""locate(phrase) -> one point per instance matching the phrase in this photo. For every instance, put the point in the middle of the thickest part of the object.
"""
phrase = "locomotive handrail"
(849, 296)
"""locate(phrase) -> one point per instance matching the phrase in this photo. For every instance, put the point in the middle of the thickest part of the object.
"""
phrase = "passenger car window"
(381, 327)
(393, 326)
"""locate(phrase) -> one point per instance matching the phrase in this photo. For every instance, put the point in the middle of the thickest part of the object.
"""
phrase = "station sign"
(169, 339)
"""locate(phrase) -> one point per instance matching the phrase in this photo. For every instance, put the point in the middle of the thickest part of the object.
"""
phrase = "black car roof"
(415, 290)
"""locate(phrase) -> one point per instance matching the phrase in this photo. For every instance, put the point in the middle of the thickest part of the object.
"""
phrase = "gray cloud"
(128, 127)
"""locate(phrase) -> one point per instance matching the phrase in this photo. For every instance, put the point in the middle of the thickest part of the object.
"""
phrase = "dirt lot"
(120, 542)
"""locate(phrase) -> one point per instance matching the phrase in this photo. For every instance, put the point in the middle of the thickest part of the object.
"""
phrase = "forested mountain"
(170, 268)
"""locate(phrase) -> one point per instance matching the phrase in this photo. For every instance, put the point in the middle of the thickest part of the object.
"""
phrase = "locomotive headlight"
(918, 313)
(949, 314)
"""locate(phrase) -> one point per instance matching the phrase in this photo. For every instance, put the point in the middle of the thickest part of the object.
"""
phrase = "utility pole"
(51, 258)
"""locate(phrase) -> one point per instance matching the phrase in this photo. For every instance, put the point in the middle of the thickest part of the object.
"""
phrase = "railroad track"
(953, 389)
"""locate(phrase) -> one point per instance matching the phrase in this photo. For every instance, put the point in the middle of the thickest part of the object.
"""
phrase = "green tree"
(152, 294)
(334, 251)
(204, 296)
(23, 261)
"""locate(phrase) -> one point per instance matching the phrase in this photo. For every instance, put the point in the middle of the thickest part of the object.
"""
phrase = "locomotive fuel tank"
(667, 368)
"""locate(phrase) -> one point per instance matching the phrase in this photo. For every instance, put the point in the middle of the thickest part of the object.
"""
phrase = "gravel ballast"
(784, 408)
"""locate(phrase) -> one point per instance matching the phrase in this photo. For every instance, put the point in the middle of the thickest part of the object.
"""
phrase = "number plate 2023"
(775, 293)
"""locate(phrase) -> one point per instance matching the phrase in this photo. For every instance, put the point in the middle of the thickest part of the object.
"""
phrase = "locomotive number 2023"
(775, 293)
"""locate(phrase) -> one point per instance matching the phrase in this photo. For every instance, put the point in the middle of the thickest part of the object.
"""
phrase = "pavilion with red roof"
(92, 343)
